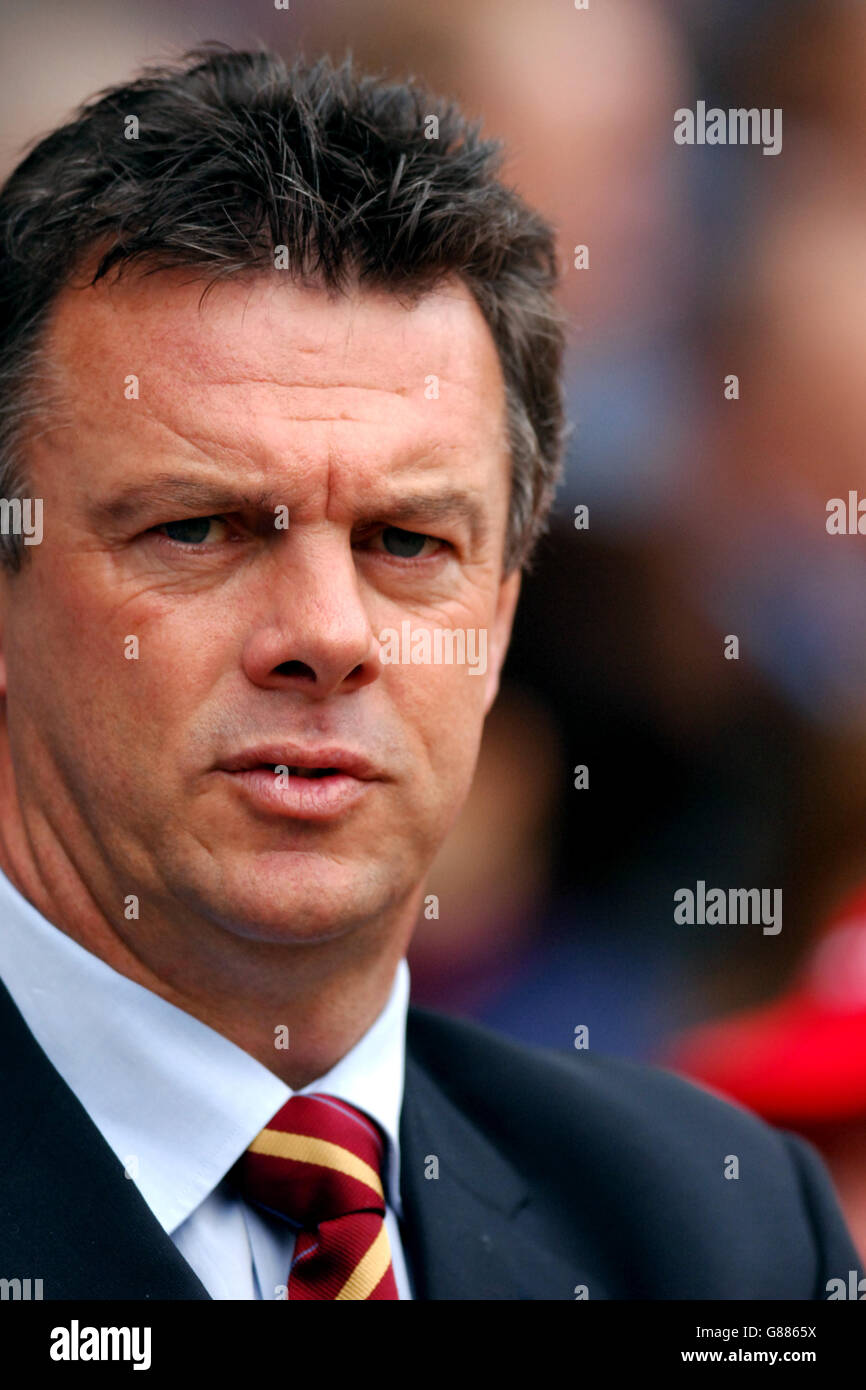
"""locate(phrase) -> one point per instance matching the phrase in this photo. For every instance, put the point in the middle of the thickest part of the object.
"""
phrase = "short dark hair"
(237, 154)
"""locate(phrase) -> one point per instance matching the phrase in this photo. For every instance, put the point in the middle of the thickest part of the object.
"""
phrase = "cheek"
(80, 669)
(444, 708)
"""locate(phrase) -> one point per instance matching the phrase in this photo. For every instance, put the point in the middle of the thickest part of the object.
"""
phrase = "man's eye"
(191, 531)
(404, 545)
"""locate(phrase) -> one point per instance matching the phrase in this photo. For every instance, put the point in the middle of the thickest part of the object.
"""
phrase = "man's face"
(354, 420)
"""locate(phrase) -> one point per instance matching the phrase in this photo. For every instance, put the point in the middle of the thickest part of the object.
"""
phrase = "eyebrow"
(456, 504)
(170, 490)
(203, 498)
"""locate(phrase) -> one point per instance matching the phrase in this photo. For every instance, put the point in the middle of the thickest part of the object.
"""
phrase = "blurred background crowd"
(706, 519)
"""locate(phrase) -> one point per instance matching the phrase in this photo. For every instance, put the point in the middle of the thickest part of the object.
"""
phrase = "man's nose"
(316, 634)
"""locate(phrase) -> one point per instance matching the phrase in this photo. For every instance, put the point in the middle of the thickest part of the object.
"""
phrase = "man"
(281, 370)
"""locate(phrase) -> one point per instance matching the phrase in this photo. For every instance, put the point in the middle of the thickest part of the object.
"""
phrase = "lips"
(303, 762)
(323, 784)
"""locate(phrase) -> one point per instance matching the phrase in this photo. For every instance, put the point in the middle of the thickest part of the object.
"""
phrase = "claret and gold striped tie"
(318, 1164)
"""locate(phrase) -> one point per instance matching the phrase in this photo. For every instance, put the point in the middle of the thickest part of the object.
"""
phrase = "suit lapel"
(68, 1215)
(462, 1231)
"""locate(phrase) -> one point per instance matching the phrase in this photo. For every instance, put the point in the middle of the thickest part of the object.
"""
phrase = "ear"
(500, 633)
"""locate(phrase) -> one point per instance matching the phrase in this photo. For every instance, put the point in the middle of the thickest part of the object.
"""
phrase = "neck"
(297, 1007)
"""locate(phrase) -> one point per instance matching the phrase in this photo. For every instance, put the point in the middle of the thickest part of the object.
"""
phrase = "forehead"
(259, 355)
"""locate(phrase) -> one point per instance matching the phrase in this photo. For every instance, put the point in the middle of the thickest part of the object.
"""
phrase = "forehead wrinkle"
(179, 362)
(406, 440)
(207, 417)
(174, 405)
(279, 385)
(220, 363)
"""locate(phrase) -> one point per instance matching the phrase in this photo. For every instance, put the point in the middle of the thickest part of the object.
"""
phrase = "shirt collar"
(176, 1101)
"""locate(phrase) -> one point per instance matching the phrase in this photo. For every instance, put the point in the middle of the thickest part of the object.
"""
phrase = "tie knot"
(318, 1158)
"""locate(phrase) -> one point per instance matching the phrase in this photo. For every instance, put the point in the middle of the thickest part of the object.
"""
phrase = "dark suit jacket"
(554, 1172)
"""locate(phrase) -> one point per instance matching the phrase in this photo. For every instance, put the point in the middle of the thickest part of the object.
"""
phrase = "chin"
(300, 898)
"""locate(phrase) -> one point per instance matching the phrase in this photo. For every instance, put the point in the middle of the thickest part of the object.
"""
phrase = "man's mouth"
(271, 757)
(270, 791)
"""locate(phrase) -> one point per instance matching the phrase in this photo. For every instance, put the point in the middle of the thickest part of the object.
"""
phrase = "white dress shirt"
(178, 1103)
